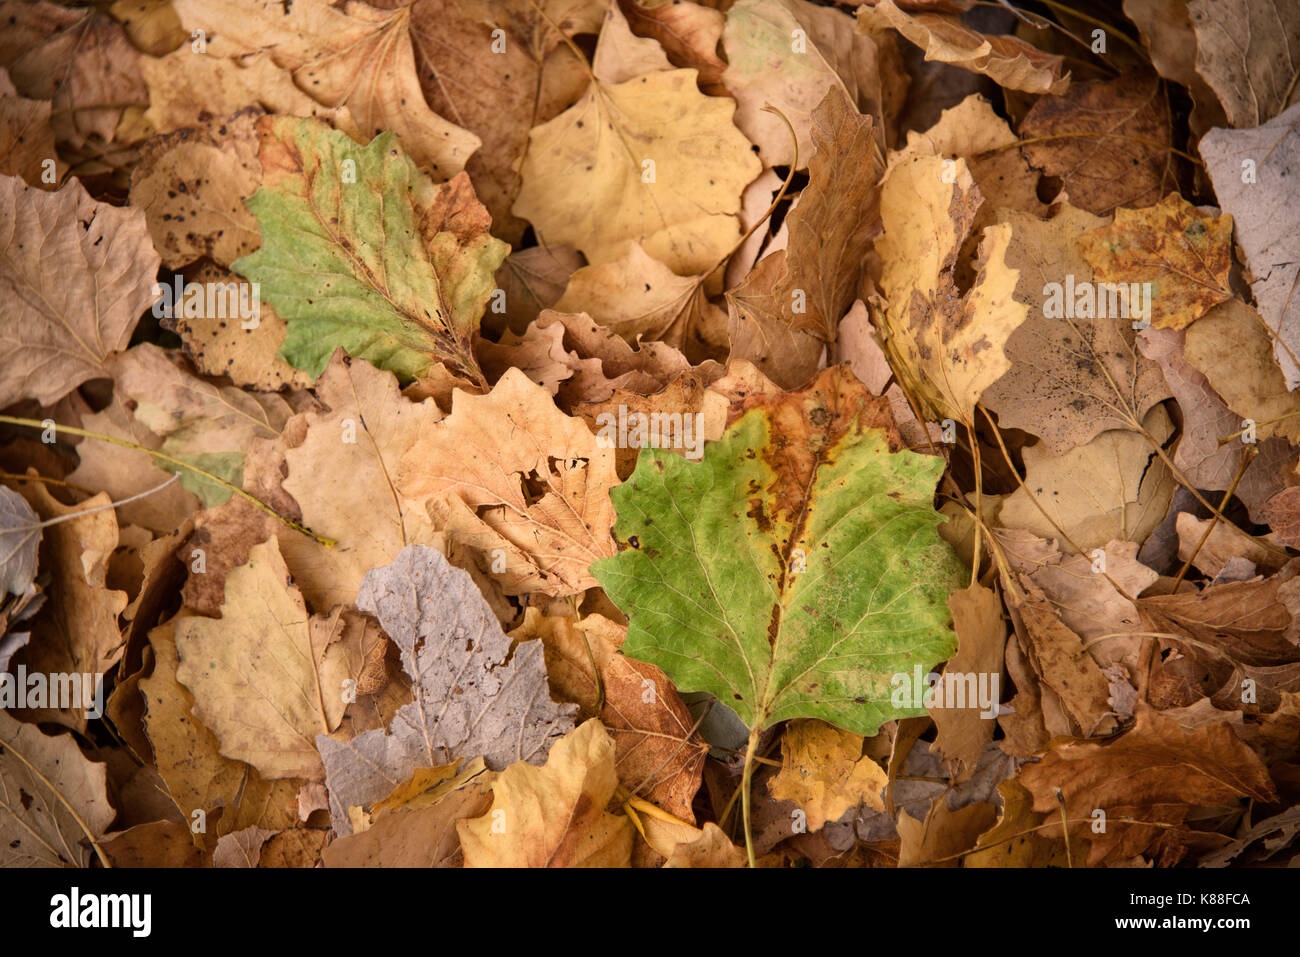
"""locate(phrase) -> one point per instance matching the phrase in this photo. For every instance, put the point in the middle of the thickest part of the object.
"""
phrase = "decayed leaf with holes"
(192, 186)
(1185, 254)
(648, 158)
(1249, 168)
(1075, 371)
(1109, 142)
(472, 696)
(554, 816)
(342, 475)
(265, 690)
(512, 472)
(401, 284)
(946, 349)
(1009, 61)
(208, 426)
(1110, 488)
(75, 276)
(746, 519)
(1246, 51)
(830, 229)
(824, 771)
(53, 802)
(657, 756)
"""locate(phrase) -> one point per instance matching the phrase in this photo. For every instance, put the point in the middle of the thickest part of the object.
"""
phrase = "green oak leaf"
(708, 571)
(361, 250)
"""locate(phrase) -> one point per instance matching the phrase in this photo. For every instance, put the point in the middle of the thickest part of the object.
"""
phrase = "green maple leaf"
(709, 570)
(361, 250)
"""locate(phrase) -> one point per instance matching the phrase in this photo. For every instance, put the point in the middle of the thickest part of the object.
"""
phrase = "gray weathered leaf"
(1252, 171)
(20, 537)
(472, 696)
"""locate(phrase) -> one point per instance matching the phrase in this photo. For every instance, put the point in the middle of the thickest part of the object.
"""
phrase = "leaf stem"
(745, 780)
(170, 460)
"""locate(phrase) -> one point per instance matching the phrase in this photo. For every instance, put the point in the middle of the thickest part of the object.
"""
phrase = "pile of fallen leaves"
(666, 433)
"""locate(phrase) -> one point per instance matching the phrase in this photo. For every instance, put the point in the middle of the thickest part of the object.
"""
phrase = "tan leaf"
(1267, 233)
(1008, 60)
(583, 186)
(1074, 372)
(26, 138)
(373, 74)
(1107, 489)
(187, 755)
(1014, 840)
(124, 472)
(414, 837)
(79, 60)
(1230, 347)
(78, 633)
(1057, 657)
(791, 54)
(500, 95)
(342, 476)
(53, 802)
(830, 229)
(553, 816)
(357, 57)
(666, 419)
(206, 425)
(1246, 52)
(533, 280)
(515, 473)
(185, 85)
(944, 833)
(1167, 34)
(973, 131)
(712, 848)
(688, 32)
(265, 678)
(1207, 419)
(75, 275)
(639, 297)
